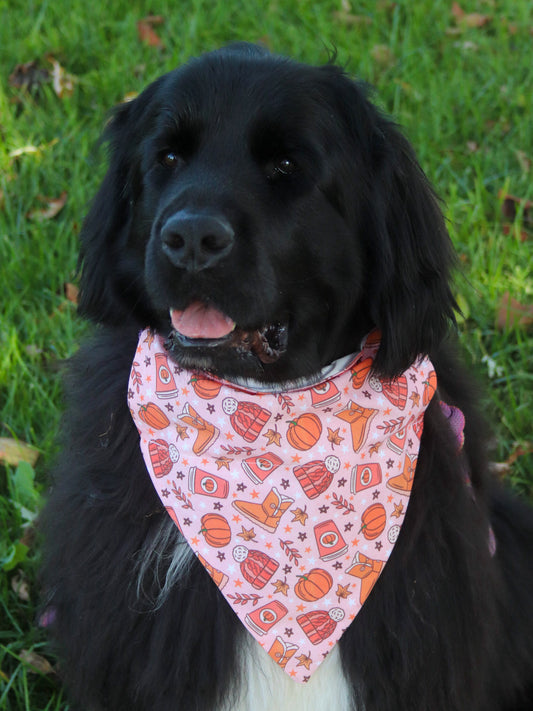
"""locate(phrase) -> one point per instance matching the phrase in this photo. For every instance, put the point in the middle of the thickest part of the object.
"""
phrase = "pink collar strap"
(292, 500)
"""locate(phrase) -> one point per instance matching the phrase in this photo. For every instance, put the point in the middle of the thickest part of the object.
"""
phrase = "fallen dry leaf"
(511, 204)
(71, 292)
(146, 32)
(350, 19)
(512, 313)
(519, 450)
(524, 161)
(37, 661)
(469, 19)
(383, 56)
(20, 586)
(28, 76)
(53, 207)
(14, 451)
(62, 82)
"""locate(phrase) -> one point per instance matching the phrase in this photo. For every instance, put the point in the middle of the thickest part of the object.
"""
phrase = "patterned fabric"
(292, 500)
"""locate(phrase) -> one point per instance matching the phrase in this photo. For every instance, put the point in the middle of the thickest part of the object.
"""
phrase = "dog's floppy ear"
(398, 219)
(108, 267)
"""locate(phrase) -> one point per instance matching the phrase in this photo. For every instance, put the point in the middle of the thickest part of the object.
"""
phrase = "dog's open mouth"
(203, 326)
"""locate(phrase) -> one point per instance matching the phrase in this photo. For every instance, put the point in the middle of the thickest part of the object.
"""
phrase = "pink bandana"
(292, 500)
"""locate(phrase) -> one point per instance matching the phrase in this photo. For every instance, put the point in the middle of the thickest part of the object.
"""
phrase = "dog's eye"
(280, 167)
(170, 159)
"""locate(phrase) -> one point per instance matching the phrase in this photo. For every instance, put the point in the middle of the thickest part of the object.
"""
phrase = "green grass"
(464, 96)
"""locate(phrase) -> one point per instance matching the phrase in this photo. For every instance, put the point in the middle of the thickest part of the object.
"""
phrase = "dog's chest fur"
(267, 687)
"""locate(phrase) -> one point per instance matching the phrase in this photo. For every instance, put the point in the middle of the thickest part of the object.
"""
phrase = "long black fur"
(353, 239)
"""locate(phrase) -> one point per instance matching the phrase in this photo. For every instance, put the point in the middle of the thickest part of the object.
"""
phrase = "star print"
(409, 442)
(302, 536)
(221, 556)
(375, 495)
(241, 487)
(217, 506)
(327, 409)
(130, 394)
(341, 482)
(390, 463)
(306, 678)
(379, 545)
(288, 631)
(147, 361)
(165, 493)
(285, 483)
(338, 565)
(187, 521)
(180, 475)
(367, 394)
(278, 417)
(413, 377)
(169, 407)
(287, 569)
(348, 527)
(211, 408)
(323, 509)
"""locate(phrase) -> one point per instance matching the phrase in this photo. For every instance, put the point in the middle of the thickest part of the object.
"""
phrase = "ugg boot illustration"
(281, 651)
(359, 419)
(206, 432)
(367, 570)
(268, 513)
(403, 483)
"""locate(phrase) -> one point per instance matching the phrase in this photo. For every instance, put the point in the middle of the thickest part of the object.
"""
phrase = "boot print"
(281, 651)
(359, 419)
(268, 513)
(403, 483)
(206, 432)
(367, 570)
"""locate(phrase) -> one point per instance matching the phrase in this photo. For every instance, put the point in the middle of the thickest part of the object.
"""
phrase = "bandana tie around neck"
(292, 500)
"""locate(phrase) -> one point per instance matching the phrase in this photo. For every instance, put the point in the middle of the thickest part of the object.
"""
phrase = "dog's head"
(266, 215)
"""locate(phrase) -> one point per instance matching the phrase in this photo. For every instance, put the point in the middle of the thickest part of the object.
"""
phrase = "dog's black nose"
(196, 241)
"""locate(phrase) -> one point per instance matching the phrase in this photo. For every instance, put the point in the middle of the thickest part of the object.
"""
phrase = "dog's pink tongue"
(201, 321)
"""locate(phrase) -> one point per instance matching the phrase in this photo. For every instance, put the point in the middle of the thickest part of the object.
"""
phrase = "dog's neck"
(328, 371)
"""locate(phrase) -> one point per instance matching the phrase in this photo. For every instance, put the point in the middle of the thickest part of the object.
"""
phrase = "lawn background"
(458, 78)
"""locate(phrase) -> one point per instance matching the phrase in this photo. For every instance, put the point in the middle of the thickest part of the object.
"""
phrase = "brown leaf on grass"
(512, 313)
(20, 586)
(524, 161)
(62, 81)
(350, 19)
(520, 449)
(28, 76)
(511, 205)
(510, 230)
(53, 207)
(71, 292)
(383, 56)
(14, 451)
(469, 19)
(146, 32)
(37, 662)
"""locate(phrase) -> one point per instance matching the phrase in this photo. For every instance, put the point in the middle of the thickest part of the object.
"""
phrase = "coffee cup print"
(265, 617)
(259, 467)
(329, 540)
(165, 387)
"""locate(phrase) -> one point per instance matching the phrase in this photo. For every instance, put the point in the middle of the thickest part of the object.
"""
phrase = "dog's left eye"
(170, 159)
(280, 168)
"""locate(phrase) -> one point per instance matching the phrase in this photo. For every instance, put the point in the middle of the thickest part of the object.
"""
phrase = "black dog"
(278, 217)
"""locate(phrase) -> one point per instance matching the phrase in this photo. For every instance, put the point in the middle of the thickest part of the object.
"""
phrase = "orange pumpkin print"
(430, 386)
(360, 371)
(153, 416)
(313, 585)
(373, 521)
(205, 388)
(304, 431)
(216, 530)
